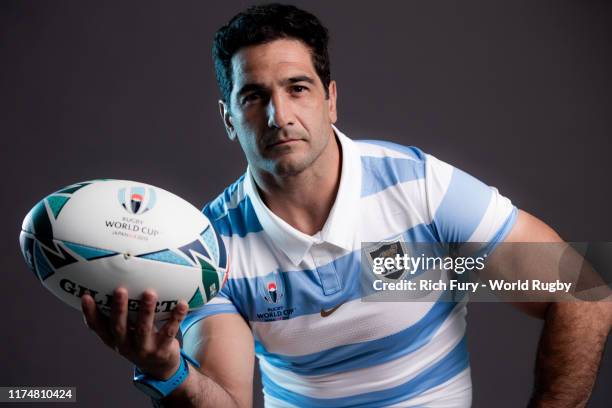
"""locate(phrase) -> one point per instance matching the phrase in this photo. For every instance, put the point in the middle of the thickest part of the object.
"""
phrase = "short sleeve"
(219, 304)
(464, 209)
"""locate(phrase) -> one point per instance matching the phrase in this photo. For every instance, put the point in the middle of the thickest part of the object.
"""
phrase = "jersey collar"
(343, 219)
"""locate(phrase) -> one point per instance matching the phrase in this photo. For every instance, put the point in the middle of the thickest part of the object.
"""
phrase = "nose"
(279, 112)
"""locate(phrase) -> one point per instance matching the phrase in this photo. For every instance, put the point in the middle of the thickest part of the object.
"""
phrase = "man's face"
(278, 109)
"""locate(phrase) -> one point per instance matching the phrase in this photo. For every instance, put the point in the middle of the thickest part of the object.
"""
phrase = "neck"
(304, 200)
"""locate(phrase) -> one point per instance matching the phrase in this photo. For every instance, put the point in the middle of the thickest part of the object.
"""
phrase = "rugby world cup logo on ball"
(137, 200)
(97, 235)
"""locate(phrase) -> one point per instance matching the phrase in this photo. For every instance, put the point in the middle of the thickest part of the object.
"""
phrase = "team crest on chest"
(387, 249)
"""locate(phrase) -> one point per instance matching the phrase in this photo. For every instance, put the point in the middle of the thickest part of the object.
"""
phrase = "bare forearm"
(570, 349)
(199, 390)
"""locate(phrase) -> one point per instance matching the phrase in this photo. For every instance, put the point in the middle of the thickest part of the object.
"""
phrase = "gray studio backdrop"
(514, 92)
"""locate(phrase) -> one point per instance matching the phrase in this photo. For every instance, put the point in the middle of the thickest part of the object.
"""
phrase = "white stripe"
(375, 150)
(237, 196)
(354, 322)
(438, 175)
(266, 257)
(379, 377)
(394, 210)
(498, 211)
(269, 258)
(219, 300)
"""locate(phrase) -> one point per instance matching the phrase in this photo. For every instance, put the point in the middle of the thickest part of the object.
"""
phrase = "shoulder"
(231, 212)
(386, 164)
(382, 149)
(398, 155)
(229, 199)
(403, 163)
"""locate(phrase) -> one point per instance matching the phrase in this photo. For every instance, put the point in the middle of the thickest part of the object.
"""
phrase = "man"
(293, 227)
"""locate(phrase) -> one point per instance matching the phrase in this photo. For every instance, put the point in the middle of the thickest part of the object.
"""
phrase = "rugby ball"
(97, 235)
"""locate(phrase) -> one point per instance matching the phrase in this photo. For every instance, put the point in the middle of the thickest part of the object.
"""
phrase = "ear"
(333, 97)
(227, 120)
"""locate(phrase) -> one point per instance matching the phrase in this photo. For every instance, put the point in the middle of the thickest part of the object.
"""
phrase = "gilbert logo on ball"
(97, 235)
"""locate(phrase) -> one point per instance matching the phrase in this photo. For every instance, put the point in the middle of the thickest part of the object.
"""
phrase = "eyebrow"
(301, 78)
(258, 87)
(250, 87)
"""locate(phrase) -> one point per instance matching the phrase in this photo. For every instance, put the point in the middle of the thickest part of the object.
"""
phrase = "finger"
(144, 330)
(169, 330)
(95, 321)
(118, 316)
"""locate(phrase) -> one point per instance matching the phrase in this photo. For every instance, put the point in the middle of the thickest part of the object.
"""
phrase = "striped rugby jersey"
(318, 343)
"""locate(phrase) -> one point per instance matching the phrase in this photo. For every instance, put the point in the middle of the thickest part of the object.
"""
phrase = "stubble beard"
(290, 168)
(294, 167)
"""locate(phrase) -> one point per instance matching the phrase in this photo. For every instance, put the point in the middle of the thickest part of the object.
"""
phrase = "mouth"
(279, 143)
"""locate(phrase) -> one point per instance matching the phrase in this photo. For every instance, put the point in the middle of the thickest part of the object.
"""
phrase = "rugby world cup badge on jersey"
(97, 235)
(272, 288)
(275, 303)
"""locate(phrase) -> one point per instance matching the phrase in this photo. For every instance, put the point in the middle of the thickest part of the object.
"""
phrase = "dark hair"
(265, 23)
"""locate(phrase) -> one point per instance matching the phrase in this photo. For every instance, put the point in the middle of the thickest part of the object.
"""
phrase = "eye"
(298, 89)
(252, 97)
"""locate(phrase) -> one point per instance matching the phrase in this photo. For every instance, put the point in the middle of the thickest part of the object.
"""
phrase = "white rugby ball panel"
(101, 214)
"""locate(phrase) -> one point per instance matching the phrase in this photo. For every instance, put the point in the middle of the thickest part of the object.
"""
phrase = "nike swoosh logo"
(325, 313)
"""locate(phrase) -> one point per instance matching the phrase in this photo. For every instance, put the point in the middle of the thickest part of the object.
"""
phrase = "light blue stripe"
(329, 277)
(410, 151)
(504, 230)
(222, 252)
(204, 312)
(364, 354)
(88, 252)
(303, 289)
(239, 221)
(166, 256)
(218, 207)
(379, 173)
(443, 370)
(462, 208)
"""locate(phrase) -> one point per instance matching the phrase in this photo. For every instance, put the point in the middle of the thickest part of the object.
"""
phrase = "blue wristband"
(158, 389)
